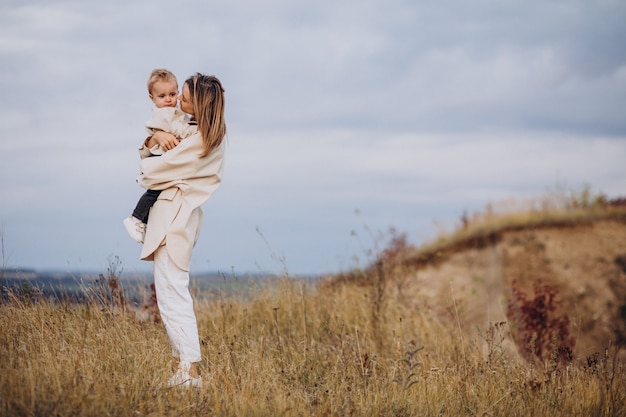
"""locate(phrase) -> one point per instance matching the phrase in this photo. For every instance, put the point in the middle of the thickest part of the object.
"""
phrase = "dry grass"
(553, 210)
(293, 350)
(345, 347)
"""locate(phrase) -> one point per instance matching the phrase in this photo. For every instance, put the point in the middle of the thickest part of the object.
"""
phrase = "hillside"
(420, 333)
(466, 281)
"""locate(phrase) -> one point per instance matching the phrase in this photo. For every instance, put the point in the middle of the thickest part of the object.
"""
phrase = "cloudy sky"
(345, 118)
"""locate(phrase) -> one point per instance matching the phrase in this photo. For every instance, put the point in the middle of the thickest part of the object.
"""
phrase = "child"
(163, 91)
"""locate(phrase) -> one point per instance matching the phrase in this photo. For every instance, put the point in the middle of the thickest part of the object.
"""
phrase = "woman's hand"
(167, 141)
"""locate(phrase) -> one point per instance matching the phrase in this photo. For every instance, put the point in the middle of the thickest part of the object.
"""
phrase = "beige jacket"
(171, 120)
(187, 182)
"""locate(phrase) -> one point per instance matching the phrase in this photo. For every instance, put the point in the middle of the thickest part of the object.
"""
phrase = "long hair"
(207, 97)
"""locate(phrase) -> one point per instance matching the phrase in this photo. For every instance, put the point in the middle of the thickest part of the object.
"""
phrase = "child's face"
(164, 94)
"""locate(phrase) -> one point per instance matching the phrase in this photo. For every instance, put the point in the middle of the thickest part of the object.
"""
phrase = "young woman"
(187, 173)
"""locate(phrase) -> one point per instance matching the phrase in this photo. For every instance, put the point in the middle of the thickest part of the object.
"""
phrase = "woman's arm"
(180, 165)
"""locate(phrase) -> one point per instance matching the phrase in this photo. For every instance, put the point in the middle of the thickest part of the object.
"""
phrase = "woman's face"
(185, 100)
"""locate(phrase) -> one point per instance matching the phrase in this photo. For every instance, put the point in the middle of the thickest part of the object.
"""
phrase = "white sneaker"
(135, 228)
(182, 379)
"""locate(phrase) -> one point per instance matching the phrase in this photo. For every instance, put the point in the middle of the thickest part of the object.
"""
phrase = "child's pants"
(176, 307)
(145, 203)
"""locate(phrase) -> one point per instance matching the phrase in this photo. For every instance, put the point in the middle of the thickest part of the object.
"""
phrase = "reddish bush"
(536, 330)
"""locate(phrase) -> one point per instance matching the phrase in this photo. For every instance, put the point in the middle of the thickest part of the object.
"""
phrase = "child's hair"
(207, 97)
(160, 74)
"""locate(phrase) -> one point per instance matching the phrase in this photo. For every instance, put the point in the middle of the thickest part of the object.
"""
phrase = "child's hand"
(167, 141)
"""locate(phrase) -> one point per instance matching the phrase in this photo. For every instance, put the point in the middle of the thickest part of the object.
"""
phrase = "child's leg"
(146, 201)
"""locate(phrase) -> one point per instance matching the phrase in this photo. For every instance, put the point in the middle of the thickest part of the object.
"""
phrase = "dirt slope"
(586, 262)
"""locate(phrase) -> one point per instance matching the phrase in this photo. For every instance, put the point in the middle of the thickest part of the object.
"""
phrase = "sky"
(345, 119)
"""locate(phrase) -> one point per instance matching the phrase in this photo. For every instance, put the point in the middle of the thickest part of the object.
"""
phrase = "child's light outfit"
(171, 120)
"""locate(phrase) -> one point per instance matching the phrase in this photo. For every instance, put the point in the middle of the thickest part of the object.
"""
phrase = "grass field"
(293, 350)
(344, 346)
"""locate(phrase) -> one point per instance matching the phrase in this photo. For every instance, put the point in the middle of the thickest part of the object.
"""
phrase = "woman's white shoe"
(182, 378)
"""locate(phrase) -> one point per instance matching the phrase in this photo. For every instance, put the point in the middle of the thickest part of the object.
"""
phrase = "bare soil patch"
(469, 284)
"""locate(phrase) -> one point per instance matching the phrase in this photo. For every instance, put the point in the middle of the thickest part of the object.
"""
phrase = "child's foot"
(135, 228)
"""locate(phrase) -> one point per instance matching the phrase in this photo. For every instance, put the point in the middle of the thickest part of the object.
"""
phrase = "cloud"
(410, 112)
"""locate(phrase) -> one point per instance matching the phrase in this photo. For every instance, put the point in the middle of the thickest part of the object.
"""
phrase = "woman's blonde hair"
(207, 97)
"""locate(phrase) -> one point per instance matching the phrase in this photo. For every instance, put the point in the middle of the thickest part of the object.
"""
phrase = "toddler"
(163, 91)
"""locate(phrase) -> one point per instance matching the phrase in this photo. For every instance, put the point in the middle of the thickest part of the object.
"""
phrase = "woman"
(188, 173)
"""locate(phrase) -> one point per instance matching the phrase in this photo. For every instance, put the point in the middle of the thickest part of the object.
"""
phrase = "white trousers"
(176, 307)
